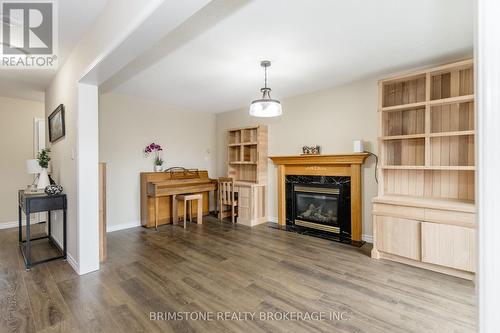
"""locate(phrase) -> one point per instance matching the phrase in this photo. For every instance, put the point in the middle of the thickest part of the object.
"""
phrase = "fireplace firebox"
(319, 205)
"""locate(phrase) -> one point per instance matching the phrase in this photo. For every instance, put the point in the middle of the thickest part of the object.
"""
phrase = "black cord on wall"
(376, 164)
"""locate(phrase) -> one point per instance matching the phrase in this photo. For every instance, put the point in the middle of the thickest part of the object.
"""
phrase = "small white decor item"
(43, 179)
(358, 146)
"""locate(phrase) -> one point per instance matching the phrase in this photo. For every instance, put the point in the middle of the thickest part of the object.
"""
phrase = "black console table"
(36, 203)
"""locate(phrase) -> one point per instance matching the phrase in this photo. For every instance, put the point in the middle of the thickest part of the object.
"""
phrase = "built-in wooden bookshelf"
(247, 165)
(247, 154)
(427, 133)
(426, 148)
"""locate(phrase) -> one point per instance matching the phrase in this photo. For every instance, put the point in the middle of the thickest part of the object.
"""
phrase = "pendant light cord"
(265, 77)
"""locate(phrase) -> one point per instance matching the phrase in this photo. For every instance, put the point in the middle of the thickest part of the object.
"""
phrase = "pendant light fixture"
(266, 106)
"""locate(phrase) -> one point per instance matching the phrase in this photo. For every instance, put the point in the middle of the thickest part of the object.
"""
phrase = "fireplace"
(341, 172)
(319, 205)
(316, 207)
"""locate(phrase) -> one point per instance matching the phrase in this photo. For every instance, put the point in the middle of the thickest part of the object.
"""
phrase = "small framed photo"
(57, 126)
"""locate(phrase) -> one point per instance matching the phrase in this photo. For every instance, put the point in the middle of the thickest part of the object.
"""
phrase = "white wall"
(331, 118)
(108, 31)
(16, 146)
(126, 125)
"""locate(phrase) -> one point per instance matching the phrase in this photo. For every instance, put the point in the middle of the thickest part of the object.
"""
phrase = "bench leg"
(199, 218)
(232, 213)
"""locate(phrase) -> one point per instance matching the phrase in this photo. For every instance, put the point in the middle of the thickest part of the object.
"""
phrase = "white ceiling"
(312, 44)
(75, 18)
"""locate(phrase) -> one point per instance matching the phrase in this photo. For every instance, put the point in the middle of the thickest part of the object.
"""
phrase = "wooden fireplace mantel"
(323, 165)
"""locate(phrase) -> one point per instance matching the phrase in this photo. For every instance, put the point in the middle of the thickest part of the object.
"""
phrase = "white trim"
(123, 226)
(15, 224)
(87, 175)
(8, 225)
(272, 219)
(366, 238)
(73, 263)
(488, 161)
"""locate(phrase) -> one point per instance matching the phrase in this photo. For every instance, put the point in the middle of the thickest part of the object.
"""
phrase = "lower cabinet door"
(449, 245)
(398, 236)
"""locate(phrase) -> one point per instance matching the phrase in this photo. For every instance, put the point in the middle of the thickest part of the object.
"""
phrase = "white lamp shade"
(266, 108)
(33, 167)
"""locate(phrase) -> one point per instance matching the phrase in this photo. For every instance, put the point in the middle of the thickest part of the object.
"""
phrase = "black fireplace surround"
(319, 205)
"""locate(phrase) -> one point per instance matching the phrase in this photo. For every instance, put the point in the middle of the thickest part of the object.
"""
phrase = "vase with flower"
(43, 158)
(156, 150)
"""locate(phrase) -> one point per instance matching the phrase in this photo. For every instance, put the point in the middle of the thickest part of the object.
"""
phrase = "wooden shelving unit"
(426, 148)
(247, 165)
(247, 154)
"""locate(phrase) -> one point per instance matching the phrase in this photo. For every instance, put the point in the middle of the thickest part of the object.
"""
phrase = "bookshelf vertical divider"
(424, 214)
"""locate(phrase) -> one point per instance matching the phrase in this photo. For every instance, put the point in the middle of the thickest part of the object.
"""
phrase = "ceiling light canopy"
(266, 106)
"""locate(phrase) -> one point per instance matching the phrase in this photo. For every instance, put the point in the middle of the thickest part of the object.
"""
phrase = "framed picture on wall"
(57, 126)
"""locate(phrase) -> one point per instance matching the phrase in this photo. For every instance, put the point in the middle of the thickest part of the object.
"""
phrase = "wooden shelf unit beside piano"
(160, 186)
(247, 165)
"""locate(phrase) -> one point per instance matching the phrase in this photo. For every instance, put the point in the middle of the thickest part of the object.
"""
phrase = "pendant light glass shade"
(266, 106)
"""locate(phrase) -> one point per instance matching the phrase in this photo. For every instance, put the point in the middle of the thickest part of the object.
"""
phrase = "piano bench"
(187, 199)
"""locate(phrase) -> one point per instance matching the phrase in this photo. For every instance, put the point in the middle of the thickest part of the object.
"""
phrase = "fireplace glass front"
(317, 207)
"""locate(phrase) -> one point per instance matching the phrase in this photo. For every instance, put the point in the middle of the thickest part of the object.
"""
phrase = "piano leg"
(175, 215)
(157, 206)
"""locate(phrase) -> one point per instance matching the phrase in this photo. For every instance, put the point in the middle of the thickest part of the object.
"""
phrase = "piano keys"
(157, 189)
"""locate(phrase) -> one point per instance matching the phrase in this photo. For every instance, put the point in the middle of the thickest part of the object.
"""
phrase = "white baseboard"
(8, 225)
(73, 263)
(272, 219)
(366, 238)
(123, 226)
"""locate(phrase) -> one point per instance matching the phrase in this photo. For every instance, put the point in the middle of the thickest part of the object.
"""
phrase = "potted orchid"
(155, 149)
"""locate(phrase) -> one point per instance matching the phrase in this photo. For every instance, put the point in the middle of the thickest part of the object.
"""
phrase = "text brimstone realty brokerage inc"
(244, 315)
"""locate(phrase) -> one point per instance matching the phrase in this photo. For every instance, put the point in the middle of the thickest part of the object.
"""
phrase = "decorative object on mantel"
(266, 106)
(358, 146)
(313, 150)
(54, 189)
(155, 149)
(57, 126)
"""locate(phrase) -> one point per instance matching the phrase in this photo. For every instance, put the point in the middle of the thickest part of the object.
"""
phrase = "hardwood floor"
(218, 267)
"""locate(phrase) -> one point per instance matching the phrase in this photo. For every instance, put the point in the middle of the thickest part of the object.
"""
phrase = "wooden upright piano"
(157, 189)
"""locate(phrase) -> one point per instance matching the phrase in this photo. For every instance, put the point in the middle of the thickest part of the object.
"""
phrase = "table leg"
(65, 253)
(20, 225)
(48, 221)
(28, 245)
(157, 199)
